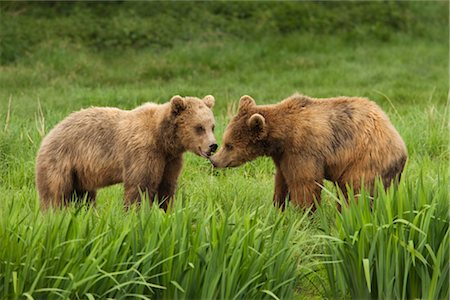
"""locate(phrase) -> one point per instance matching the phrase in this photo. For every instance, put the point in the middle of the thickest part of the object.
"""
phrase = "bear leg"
(167, 187)
(304, 177)
(392, 174)
(134, 194)
(303, 193)
(142, 176)
(345, 194)
(57, 193)
(281, 190)
(355, 185)
(81, 196)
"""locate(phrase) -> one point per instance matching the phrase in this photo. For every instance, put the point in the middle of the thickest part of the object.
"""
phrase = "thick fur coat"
(143, 148)
(345, 140)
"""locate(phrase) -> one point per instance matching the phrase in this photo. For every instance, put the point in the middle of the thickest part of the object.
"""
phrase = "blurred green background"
(123, 53)
(118, 26)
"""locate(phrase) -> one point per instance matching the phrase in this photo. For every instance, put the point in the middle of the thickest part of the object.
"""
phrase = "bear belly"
(91, 173)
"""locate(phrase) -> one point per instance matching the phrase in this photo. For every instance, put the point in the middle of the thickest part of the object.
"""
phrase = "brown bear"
(143, 148)
(346, 140)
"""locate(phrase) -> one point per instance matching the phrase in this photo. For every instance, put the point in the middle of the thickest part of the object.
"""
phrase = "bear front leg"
(167, 187)
(304, 177)
(304, 193)
(281, 190)
(141, 177)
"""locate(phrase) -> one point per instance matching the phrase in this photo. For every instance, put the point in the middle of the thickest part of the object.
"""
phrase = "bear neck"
(270, 147)
(273, 144)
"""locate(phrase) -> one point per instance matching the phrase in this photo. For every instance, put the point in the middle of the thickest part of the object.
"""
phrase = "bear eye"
(229, 147)
(213, 127)
(199, 129)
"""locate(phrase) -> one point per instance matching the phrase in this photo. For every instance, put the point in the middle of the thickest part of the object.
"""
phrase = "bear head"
(195, 123)
(244, 138)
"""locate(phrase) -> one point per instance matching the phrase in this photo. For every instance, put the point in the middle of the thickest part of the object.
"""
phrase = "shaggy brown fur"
(345, 140)
(142, 148)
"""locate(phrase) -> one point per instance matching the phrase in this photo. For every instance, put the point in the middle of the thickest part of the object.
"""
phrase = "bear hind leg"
(81, 196)
(355, 187)
(393, 173)
(56, 194)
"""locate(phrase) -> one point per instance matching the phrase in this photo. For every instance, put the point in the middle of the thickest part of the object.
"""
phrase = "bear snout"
(218, 162)
(213, 148)
(213, 162)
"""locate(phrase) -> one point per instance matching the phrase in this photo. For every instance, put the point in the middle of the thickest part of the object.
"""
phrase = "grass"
(396, 249)
(189, 253)
(223, 239)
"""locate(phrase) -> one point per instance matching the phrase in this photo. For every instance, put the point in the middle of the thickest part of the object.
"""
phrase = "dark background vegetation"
(116, 26)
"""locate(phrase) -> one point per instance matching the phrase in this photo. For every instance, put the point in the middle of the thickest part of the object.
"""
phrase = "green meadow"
(223, 239)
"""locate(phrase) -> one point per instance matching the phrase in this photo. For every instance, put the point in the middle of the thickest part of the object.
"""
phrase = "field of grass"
(224, 239)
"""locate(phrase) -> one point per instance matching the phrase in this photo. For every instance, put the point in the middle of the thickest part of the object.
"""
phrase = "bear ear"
(257, 124)
(246, 102)
(177, 104)
(209, 101)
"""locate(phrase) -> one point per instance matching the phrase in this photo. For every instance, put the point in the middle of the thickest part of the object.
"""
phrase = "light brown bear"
(345, 140)
(143, 148)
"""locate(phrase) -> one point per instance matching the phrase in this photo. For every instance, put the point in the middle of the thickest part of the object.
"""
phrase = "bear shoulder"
(144, 121)
(149, 106)
(149, 110)
(296, 101)
(348, 100)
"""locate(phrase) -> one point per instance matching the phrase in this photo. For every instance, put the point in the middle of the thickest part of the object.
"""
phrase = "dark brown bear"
(142, 148)
(345, 140)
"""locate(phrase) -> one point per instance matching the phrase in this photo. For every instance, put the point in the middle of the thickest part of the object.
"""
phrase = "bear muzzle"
(211, 149)
(217, 163)
(213, 162)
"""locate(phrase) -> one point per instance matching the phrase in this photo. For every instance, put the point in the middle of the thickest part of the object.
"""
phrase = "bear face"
(244, 138)
(195, 124)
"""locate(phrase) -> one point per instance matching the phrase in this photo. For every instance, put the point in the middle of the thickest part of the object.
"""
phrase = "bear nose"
(213, 147)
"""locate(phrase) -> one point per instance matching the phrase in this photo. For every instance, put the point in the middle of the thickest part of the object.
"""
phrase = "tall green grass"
(397, 248)
(189, 253)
